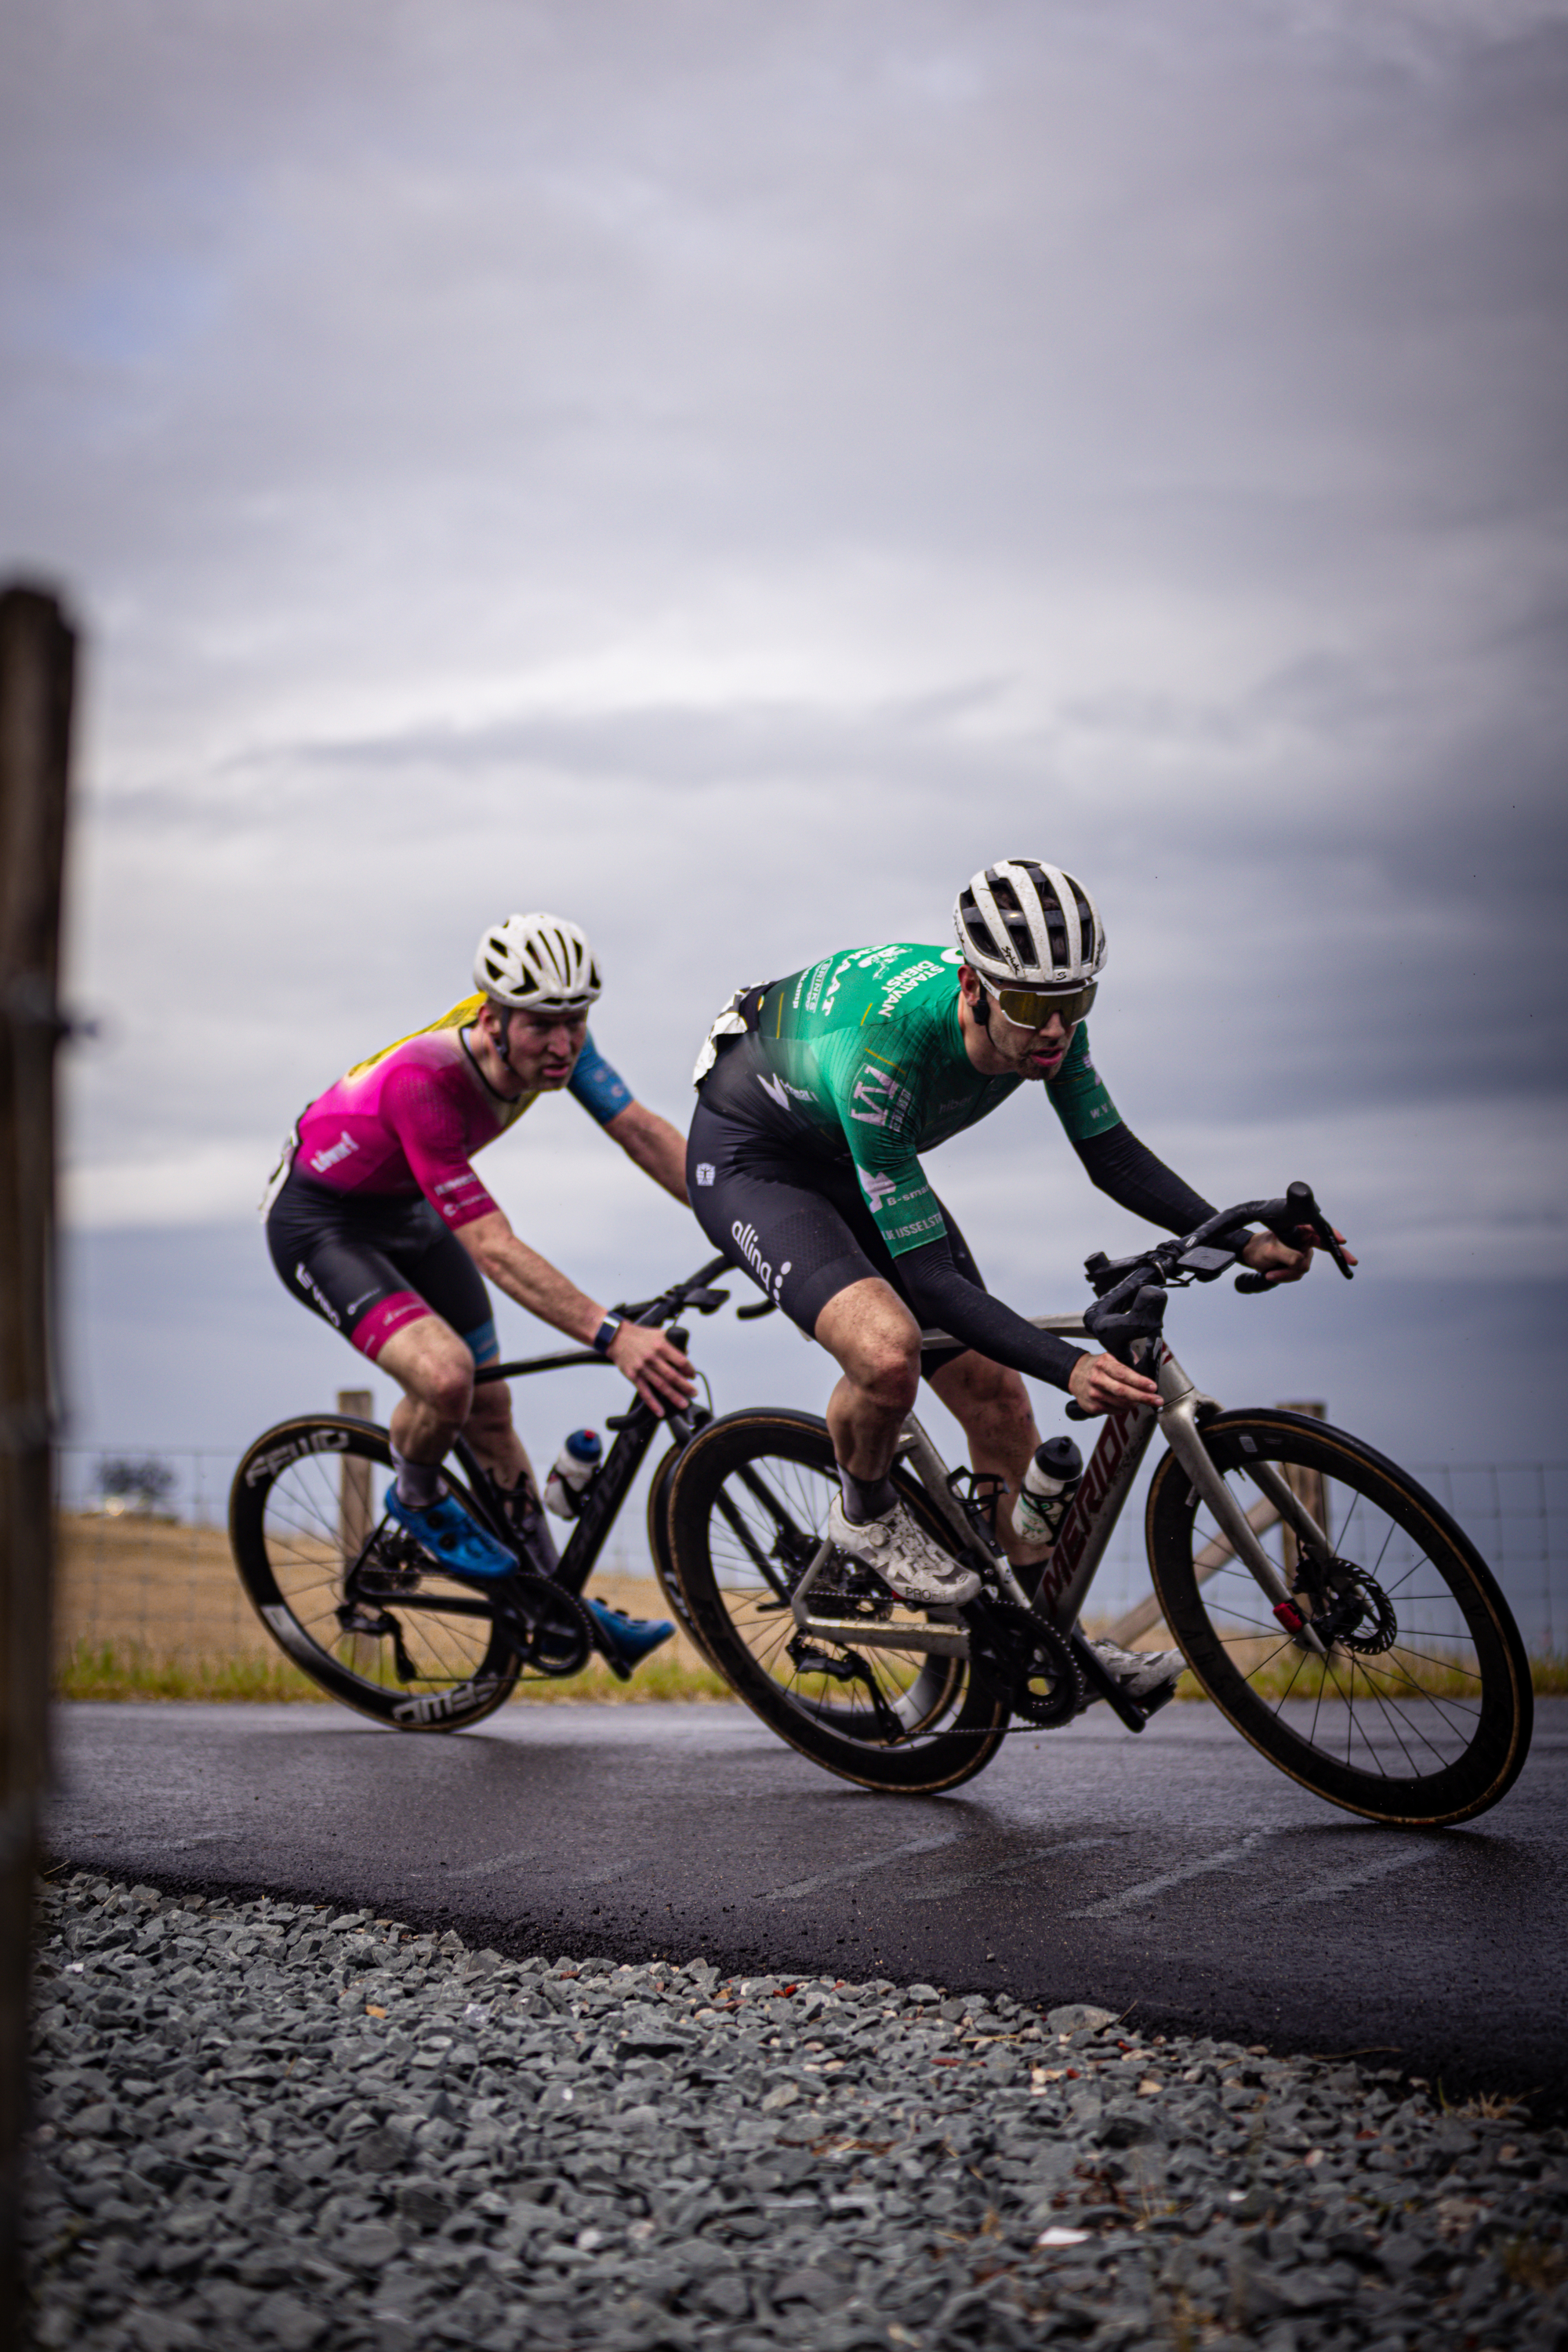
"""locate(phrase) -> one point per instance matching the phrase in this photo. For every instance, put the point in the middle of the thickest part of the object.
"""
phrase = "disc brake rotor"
(1358, 1614)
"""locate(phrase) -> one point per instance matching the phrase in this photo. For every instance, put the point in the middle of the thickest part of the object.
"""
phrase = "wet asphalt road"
(1178, 1874)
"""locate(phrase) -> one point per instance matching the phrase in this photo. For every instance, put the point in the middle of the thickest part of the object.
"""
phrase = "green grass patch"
(119, 1670)
(657, 1678)
(124, 1670)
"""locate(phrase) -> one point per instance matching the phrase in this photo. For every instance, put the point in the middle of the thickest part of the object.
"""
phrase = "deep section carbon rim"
(351, 1599)
(748, 1510)
(1422, 1712)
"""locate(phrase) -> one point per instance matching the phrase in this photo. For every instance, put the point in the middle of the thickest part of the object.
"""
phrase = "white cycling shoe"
(909, 1563)
(1139, 1673)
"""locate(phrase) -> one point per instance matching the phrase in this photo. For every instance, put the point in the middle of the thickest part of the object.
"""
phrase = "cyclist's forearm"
(1118, 1164)
(657, 1148)
(530, 1280)
(944, 1301)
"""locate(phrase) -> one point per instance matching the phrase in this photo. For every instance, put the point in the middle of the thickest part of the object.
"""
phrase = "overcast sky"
(725, 472)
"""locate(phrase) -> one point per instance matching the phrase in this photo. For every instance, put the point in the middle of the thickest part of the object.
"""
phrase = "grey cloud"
(729, 472)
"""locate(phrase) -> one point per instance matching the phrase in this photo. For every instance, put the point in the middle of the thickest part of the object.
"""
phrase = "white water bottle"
(1050, 1482)
(572, 1472)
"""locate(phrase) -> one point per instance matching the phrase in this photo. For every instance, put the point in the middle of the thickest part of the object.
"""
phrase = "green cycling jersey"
(862, 1053)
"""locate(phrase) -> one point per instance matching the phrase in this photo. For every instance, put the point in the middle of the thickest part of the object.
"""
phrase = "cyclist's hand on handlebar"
(1276, 1262)
(660, 1372)
(1099, 1384)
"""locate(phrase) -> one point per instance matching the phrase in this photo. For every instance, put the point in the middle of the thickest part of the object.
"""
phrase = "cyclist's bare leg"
(436, 1373)
(992, 1407)
(877, 1344)
(495, 1442)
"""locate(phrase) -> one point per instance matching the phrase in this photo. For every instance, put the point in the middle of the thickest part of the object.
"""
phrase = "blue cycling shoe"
(450, 1536)
(631, 1638)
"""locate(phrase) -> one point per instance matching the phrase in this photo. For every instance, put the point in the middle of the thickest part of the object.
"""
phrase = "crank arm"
(1102, 1685)
(1180, 1433)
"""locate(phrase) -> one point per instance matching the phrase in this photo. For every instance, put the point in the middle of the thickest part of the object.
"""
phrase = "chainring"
(1030, 1660)
(554, 1629)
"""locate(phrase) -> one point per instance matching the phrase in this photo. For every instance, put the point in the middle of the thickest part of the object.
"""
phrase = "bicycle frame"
(1108, 1479)
(635, 1431)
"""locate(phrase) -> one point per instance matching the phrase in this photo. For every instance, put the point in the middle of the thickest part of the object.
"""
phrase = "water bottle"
(572, 1472)
(1050, 1482)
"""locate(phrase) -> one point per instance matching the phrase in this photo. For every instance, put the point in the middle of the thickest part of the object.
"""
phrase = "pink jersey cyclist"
(376, 1221)
(409, 1121)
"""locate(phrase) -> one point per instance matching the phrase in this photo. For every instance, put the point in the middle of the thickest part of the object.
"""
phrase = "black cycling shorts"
(369, 1263)
(797, 1223)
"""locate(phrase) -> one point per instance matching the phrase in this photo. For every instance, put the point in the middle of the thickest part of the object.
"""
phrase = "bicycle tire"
(1425, 1721)
(295, 1512)
(771, 1474)
(658, 1544)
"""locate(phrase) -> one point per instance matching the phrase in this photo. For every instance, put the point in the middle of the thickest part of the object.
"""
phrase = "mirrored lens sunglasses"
(1031, 1008)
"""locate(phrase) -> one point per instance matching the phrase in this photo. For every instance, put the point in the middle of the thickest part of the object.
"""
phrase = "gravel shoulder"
(268, 2123)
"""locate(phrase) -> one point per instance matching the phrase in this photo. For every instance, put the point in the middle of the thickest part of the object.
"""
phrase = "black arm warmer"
(942, 1297)
(1120, 1165)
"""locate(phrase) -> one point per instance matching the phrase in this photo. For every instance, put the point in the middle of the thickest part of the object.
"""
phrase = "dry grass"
(146, 1609)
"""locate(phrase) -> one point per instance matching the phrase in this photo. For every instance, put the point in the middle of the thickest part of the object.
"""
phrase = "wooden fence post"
(37, 659)
(354, 1504)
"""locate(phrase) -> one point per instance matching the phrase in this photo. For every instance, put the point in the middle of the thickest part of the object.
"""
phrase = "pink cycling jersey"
(411, 1119)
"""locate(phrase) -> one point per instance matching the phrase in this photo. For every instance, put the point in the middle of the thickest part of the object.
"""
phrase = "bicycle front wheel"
(1421, 1714)
(747, 1510)
(353, 1600)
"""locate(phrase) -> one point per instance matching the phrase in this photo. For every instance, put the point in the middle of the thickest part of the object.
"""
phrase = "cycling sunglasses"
(1031, 1008)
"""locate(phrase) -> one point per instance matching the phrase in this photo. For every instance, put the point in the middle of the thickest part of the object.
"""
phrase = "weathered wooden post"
(37, 656)
(354, 1511)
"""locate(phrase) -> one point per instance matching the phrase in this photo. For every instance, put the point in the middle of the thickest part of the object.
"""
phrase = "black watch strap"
(604, 1337)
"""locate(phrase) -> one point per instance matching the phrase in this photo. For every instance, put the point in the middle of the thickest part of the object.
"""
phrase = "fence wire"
(152, 1571)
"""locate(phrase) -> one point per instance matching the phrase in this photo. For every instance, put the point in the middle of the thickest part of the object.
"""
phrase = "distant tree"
(140, 1481)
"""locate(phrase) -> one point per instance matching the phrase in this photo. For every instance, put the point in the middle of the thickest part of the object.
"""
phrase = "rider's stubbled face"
(1033, 1053)
(1038, 1053)
(544, 1047)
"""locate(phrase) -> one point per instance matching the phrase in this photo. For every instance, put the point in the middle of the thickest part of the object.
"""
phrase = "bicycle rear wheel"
(353, 1600)
(1421, 1715)
(746, 1510)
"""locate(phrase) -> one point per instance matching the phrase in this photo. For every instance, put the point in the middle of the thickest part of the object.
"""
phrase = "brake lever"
(1300, 1209)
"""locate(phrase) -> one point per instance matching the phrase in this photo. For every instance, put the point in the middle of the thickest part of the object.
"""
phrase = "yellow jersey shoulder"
(458, 1017)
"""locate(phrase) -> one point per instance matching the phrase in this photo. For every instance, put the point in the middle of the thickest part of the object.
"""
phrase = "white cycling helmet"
(1022, 924)
(537, 963)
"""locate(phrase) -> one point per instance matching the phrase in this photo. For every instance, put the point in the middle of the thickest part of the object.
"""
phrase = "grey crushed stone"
(264, 2124)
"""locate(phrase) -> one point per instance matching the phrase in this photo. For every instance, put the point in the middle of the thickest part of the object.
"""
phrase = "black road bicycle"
(1331, 1609)
(368, 1613)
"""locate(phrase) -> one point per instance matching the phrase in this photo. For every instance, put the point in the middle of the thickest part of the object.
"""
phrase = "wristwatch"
(604, 1337)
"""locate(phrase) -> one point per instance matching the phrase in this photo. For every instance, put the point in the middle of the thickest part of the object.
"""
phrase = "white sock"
(418, 1483)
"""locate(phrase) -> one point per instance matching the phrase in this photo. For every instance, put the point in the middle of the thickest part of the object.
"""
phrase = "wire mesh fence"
(145, 1570)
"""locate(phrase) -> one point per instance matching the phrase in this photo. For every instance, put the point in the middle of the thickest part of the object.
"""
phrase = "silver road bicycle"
(1327, 1605)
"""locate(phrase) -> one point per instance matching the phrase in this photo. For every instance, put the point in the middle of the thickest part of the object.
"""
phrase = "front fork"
(1178, 1424)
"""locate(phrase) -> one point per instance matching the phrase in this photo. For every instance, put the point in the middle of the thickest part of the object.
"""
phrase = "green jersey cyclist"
(818, 1095)
(377, 1222)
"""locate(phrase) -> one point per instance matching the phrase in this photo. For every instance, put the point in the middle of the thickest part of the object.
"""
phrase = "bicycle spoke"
(1423, 1686)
